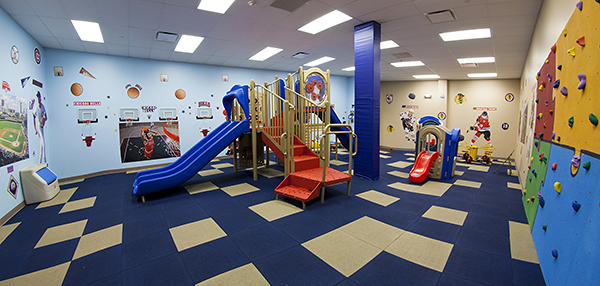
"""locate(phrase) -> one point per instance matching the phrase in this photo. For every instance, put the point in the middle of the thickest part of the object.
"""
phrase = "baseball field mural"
(13, 129)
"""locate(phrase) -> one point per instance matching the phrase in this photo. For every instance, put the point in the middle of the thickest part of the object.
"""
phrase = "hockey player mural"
(408, 123)
(482, 126)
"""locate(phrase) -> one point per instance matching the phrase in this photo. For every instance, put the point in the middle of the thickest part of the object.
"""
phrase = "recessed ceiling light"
(265, 54)
(217, 6)
(319, 61)
(493, 74)
(88, 31)
(466, 35)
(408, 64)
(325, 22)
(388, 45)
(349, 69)
(476, 60)
(426, 76)
(188, 44)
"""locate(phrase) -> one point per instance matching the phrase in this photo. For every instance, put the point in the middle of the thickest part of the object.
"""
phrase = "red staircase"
(306, 182)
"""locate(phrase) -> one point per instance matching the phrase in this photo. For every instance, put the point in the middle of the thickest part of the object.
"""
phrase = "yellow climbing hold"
(528, 200)
(547, 60)
(541, 87)
(537, 76)
(524, 192)
(557, 187)
(540, 115)
(564, 32)
(531, 159)
(571, 51)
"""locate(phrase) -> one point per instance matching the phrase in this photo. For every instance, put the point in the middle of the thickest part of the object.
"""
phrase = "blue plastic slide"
(343, 137)
(191, 161)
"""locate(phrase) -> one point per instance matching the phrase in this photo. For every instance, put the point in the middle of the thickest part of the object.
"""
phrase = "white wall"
(552, 19)
(13, 34)
(69, 156)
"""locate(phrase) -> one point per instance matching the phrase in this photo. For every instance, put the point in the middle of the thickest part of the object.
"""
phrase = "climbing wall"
(546, 82)
(568, 224)
(578, 61)
(535, 178)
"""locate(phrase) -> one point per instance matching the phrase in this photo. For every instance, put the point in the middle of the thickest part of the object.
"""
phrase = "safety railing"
(325, 146)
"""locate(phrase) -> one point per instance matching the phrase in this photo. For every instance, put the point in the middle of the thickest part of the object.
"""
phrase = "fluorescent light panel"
(466, 35)
(476, 60)
(426, 76)
(482, 74)
(388, 45)
(349, 69)
(88, 31)
(325, 22)
(408, 64)
(217, 6)
(265, 54)
(188, 44)
(319, 61)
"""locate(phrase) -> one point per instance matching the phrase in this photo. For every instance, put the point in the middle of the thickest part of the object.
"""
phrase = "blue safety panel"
(241, 93)
(46, 175)
(367, 59)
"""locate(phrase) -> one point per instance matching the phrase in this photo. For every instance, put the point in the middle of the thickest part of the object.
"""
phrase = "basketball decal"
(133, 91)
(76, 89)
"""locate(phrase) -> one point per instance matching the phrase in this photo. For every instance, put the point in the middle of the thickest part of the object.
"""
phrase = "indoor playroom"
(130, 163)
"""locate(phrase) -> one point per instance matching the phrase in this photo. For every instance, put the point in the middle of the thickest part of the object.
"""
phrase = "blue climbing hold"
(559, 67)
(534, 172)
(556, 83)
(536, 143)
(542, 202)
(576, 206)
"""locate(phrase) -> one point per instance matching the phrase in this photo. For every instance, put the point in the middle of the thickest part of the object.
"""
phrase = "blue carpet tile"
(147, 254)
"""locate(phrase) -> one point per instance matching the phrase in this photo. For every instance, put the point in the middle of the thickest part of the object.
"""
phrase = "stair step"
(295, 192)
(332, 176)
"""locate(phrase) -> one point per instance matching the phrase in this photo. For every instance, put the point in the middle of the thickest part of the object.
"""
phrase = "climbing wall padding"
(546, 78)
(578, 56)
(568, 225)
(535, 178)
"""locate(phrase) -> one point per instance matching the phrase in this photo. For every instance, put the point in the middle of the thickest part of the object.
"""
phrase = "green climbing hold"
(587, 165)
(545, 227)
(537, 100)
(541, 135)
(571, 121)
(593, 119)
(545, 160)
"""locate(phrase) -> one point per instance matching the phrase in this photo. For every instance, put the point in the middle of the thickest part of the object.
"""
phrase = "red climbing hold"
(554, 165)
(553, 48)
(581, 41)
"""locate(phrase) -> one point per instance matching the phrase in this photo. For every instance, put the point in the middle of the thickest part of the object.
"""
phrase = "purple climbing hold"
(553, 134)
(576, 206)
(549, 77)
(564, 91)
(546, 103)
(555, 253)
(579, 5)
(559, 67)
(575, 161)
(582, 81)
(539, 74)
(558, 138)
(556, 83)
(542, 202)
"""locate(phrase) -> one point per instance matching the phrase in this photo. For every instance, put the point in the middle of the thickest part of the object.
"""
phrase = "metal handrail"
(327, 132)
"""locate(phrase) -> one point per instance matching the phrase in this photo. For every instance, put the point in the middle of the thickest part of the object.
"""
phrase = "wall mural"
(149, 140)
(13, 129)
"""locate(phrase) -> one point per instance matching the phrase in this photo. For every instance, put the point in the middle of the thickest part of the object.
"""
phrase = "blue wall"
(13, 34)
(70, 157)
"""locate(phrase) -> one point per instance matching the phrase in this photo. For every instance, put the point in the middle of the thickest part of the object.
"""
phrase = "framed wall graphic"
(13, 129)
(164, 78)
(58, 71)
(87, 115)
(13, 186)
(14, 54)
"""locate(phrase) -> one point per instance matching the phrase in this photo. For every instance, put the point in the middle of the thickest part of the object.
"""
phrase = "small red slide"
(422, 166)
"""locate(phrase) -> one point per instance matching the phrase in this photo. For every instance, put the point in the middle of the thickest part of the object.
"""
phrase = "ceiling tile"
(141, 38)
(71, 45)
(216, 60)
(48, 42)
(174, 18)
(138, 52)
(391, 13)
(515, 8)
(339, 3)
(471, 12)
(251, 31)
(48, 8)
(405, 23)
(179, 57)
(184, 3)
(165, 46)
(201, 23)
(114, 12)
(210, 46)
(160, 54)
(95, 48)
(427, 6)
(61, 28)
(303, 15)
(144, 14)
(364, 7)
(114, 34)
(33, 25)
(471, 48)
(271, 15)
(117, 50)
(230, 48)
(199, 58)
(84, 10)
(17, 7)
(227, 27)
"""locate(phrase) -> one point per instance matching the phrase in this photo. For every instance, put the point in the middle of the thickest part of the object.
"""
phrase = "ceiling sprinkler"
(251, 3)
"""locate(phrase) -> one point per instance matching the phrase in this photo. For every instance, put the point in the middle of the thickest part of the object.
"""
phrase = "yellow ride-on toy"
(470, 153)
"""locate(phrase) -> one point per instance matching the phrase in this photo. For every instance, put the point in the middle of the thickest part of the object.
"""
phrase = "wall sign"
(509, 97)
(505, 126)
(14, 54)
(460, 98)
(410, 106)
(485, 108)
(389, 98)
(37, 56)
(87, 103)
(441, 115)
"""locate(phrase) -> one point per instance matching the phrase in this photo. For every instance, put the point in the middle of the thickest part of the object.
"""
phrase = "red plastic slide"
(422, 166)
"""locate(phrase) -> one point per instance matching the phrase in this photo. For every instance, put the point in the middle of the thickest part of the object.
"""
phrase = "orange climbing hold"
(581, 41)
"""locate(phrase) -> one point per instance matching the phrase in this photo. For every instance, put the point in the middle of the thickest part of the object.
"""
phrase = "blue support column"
(367, 60)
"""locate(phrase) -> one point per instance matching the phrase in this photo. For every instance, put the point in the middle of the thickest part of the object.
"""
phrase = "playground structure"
(292, 117)
(470, 153)
(435, 151)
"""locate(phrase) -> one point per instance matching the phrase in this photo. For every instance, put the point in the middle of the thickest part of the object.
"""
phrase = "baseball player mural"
(408, 123)
(39, 121)
(482, 126)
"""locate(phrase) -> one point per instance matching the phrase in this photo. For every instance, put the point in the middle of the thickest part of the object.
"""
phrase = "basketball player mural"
(148, 139)
(39, 121)
(408, 123)
(482, 126)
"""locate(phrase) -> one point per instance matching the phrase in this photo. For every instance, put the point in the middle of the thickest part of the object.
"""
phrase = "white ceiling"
(129, 28)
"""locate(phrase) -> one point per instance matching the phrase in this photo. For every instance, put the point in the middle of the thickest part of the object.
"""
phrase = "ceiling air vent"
(288, 5)
(166, 37)
(300, 55)
(440, 16)
(469, 65)
(403, 55)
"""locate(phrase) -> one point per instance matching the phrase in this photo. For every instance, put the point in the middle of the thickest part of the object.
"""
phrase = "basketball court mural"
(149, 140)
(13, 129)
